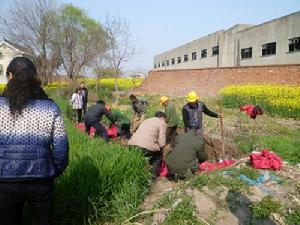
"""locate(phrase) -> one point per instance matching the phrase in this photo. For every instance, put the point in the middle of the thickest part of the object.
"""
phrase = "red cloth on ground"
(265, 160)
(208, 166)
(112, 131)
(251, 110)
(81, 127)
(205, 166)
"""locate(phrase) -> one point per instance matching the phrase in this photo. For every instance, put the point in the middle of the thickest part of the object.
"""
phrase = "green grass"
(102, 183)
(265, 207)
(183, 214)
(287, 146)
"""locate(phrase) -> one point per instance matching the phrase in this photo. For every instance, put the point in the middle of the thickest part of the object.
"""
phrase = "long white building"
(270, 43)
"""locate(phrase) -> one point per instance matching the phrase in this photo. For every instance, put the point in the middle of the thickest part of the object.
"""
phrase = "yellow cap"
(192, 96)
(163, 99)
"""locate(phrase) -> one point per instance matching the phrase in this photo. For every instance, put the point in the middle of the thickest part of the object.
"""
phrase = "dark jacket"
(33, 144)
(192, 117)
(187, 153)
(139, 107)
(96, 112)
(84, 94)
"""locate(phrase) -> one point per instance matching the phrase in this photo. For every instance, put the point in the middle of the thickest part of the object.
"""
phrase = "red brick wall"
(208, 82)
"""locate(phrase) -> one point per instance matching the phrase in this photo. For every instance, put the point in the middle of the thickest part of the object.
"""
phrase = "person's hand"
(220, 115)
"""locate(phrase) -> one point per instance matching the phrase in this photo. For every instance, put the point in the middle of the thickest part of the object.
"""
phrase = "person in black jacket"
(192, 113)
(93, 117)
(84, 93)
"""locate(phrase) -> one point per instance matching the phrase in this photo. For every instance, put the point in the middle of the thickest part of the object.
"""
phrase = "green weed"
(183, 214)
(265, 207)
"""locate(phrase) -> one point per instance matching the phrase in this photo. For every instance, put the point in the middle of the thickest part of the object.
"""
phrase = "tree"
(79, 41)
(30, 24)
(120, 46)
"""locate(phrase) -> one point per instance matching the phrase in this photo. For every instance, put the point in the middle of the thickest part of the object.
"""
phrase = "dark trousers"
(78, 114)
(100, 130)
(171, 133)
(39, 194)
(84, 106)
(125, 131)
(154, 160)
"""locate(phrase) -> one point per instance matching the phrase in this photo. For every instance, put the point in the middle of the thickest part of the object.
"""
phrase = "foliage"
(30, 24)
(287, 146)
(102, 182)
(183, 214)
(265, 207)
(282, 100)
(79, 39)
(293, 217)
(217, 179)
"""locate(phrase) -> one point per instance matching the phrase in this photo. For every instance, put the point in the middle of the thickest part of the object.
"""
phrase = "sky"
(160, 25)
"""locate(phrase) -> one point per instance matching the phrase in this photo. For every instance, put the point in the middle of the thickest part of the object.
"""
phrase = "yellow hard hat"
(192, 96)
(163, 99)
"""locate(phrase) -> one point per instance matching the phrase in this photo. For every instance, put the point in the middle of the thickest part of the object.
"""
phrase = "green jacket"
(187, 153)
(119, 117)
(172, 118)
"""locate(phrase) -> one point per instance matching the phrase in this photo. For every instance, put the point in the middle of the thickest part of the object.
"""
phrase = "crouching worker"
(150, 137)
(186, 155)
(93, 117)
(123, 123)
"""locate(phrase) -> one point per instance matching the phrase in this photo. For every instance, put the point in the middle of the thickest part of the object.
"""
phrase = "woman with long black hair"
(33, 146)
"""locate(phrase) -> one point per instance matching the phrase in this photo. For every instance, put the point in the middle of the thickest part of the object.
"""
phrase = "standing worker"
(172, 120)
(93, 117)
(192, 113)
(84, 93)
(33, 145)
(150, 137)
(76, 102)
(139, 111)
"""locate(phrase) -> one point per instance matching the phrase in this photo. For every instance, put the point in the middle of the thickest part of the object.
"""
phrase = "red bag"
(265, 160)
(163, 171)
(112, 132)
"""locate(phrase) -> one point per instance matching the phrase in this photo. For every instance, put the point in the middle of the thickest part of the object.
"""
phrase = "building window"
(269, 49)
(167, 62)
(173, 61)
(246, 53)
(215, 50)
(1, 54)
(158, 65)
(185, 58)
(194, 55)
(154, 65)
(294, 44)
(179, 59)
(203, 53)
(163, 63)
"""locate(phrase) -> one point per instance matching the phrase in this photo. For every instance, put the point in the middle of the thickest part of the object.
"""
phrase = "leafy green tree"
(79, 40)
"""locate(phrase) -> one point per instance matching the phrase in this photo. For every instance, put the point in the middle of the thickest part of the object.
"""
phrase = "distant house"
(8, 51)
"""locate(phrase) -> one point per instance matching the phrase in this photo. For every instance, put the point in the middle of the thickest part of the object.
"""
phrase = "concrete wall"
(7, 55)
(208, 82)
(279, 31)
(233, 40)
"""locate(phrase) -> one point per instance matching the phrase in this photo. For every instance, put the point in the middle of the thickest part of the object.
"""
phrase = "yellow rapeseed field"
(282, 100)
